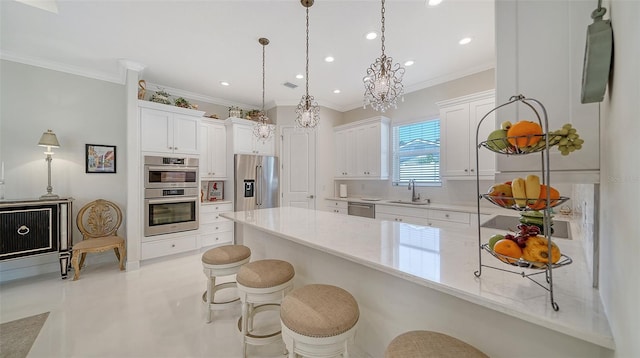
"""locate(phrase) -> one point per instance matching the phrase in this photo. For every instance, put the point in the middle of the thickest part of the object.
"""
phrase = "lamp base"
(50, 196)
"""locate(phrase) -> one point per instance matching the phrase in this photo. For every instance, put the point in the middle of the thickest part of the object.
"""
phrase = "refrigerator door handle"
(258, 185)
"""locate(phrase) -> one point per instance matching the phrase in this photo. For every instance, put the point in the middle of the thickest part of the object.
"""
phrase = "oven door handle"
(172, 169)
(171, 199)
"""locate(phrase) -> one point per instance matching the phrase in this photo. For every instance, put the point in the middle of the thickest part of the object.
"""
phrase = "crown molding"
(199, 97)
(61, 67)
(131, 65)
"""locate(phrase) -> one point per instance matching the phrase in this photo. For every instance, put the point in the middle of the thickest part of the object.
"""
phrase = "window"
(416, 153)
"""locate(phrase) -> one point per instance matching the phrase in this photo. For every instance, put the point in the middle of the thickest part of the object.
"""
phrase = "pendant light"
(263, 130)
(307, 112)
(383, 82)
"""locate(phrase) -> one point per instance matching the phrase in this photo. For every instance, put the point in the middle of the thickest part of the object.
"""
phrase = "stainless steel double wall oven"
(171, 195)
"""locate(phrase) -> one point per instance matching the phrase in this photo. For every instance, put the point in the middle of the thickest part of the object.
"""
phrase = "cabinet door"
(372, 145)
(185, 134)
(340, 140)
(156, 131)
(351, 154)
(242, 139)
(363, 154)
(267, 147)
(205, 144)
(454, 121)
(486, 158)
(218, 151)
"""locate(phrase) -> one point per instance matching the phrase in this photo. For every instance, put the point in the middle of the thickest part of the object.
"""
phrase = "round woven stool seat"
(265, 273)
(318, 321)
(424, 344)
(217, 262)
(319, 311)
(224, 255)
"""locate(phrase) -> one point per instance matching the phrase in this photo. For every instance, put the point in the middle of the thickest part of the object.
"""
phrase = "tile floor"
(156, 311)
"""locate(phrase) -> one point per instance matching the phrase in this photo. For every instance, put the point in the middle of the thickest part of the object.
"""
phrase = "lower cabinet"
(423, 216)
(170, 246)
(214, 229)
(337, 206)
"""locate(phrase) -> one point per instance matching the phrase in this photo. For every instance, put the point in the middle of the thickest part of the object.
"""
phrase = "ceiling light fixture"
(329, 59)
(307, 112)
(263, 130)
(336, 91)
(465, 41)
(434, 2)
(371, 35)
(299, 76)
(383, 82)
(409, 63)
(224, 83)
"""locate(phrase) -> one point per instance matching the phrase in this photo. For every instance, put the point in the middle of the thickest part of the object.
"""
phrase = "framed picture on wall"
(100, 158)
(215, 191)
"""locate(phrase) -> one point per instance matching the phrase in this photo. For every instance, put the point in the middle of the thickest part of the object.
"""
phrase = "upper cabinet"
(362, 149)
(213, 154)
(545, 63)
(243, 141)
(168, 129)
(459, 119)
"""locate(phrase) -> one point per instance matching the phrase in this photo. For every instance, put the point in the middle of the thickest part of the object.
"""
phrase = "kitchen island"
(408, 277)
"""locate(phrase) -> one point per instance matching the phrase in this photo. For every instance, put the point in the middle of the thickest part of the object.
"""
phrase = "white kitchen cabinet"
(403, 214)
(545, 63)
(167, 246)
(213, 154)
(459, 118)
(362, 149)
(214, 229)
(243, 141)
(169, 129)
(337, 206)
(448, 219)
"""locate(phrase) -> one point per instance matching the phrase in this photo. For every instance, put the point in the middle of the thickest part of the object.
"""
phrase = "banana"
(532, 188)
(518, 188)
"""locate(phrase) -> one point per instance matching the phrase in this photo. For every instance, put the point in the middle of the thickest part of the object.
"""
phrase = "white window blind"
(416, 152)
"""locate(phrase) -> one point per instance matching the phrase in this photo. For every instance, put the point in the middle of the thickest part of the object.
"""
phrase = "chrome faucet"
(412, 187)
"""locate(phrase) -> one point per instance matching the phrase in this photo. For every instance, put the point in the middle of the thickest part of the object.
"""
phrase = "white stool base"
(213, 271)
(317, 347)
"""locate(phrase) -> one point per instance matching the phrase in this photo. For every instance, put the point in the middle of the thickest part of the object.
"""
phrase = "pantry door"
(298, 171)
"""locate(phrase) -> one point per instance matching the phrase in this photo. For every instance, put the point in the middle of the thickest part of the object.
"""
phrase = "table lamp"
(49, 140)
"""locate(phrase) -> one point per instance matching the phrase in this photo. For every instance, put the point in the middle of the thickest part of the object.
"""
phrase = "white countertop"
(445, 260)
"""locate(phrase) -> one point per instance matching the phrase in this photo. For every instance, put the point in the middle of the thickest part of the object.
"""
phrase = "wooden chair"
(98, 221)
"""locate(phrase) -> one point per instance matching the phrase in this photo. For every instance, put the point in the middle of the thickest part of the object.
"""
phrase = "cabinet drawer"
(152, 249)
(212, 208)
(336, 204)
(401, 211)
(207, 218)
(337, 210)
(403, 219)
(454, 216)
(222, 226)
(219, 238)
(446, 224)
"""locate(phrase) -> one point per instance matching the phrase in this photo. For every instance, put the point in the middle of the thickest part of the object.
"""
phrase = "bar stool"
(222, 261)
(425, 344)
(318, 321)
(262, 285)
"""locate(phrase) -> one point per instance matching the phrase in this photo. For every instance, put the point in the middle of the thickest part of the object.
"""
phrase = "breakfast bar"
(408, 277)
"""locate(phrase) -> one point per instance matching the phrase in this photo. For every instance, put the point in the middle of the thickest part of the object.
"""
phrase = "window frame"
(395, 179)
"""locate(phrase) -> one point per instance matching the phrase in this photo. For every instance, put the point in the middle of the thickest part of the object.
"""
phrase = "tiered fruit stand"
(502, 146)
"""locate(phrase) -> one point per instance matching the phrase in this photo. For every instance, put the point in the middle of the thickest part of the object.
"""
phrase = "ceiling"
(189, 46)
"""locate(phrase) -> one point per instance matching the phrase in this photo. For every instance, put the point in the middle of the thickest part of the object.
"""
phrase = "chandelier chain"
(382, 30)
(263, 75)
(307, 52)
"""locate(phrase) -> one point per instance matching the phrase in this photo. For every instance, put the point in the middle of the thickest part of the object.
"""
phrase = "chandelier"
(307, 112)
(262, 129)
(383, 82)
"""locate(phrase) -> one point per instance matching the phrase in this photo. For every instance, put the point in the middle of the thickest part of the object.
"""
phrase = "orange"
(508, 248)
(541, 203)
(524, 133)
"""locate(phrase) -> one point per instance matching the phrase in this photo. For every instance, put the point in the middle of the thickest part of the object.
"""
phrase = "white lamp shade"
(49, 139)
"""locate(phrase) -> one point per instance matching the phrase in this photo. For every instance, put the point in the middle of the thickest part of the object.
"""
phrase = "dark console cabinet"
(33, 227)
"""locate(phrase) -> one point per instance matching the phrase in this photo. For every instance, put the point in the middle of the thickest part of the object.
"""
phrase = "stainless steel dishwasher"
(362, 209)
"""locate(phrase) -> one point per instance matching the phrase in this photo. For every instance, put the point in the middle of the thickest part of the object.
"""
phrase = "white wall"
(620, 182)
(80, 111)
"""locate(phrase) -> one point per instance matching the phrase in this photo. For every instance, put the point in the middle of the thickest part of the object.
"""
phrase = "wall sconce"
(49, 140)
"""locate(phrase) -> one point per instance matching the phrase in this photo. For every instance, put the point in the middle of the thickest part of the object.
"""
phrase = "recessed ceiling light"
(299, 76)
(329, 59)
(409, 63)
(336, 91)
(465, 41)
(433, 2)
(224, 83)
(371, 35)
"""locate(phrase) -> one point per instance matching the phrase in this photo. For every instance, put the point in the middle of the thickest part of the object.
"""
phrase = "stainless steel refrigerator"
(256, 182)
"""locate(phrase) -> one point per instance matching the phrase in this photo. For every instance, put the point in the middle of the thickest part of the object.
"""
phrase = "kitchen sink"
(421, 202)
(510, 223)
